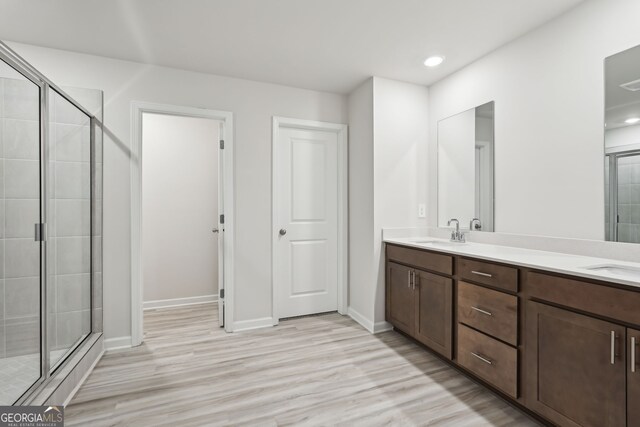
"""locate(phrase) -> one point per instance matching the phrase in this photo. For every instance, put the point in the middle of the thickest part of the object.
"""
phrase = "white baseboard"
(246, 325)
(363, 321)
(117, 343)
(177, 302)
(382, 327)
(374, 328)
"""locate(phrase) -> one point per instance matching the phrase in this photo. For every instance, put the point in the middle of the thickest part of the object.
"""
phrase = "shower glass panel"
(69, 228)
(628, 187)
(20, 253)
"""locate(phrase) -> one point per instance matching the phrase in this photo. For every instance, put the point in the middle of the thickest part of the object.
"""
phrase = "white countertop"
(549, 261)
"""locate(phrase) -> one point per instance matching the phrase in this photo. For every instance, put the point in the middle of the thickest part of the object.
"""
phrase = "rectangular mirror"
(465, 168)
(622, 146)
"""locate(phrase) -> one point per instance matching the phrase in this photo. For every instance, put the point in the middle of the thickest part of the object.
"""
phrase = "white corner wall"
(401, 131)
(387, 180)
(548, 88)
(361, 295)
(253, 105)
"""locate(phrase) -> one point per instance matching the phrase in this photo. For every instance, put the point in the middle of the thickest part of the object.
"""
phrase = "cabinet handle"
(484, 359)
(613, 347)
(480, 273)
(409, 279)
(413, 279)
(479, 310)
(633, 354)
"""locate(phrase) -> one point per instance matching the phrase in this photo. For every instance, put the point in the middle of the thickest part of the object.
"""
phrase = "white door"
(306, 223)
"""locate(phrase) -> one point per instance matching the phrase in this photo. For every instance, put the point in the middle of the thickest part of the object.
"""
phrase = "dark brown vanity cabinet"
(400, 305)
(433, 311)
(563, 348)
(419, 303)
(576, 367)
(633, 378)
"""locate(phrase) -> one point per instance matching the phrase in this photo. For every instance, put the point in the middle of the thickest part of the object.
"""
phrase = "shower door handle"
(40, 232)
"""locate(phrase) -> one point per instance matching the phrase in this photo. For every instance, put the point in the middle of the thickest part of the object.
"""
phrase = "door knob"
(215, 230)
(283, 231)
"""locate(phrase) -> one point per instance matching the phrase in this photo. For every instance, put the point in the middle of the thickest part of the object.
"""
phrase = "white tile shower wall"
(19, 211)
(629, 199)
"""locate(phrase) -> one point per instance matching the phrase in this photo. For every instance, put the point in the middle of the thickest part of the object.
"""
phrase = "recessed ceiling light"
(632, 121)
(434, 61)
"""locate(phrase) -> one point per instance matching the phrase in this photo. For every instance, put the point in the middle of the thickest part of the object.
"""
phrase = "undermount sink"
(632, 273)
(437, 243)
(448, 243)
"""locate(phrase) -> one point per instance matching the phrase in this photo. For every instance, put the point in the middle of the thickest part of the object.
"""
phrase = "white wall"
(253, 105)
(549, 92)
(179, 206)
(401, 130)
(361, 295)
(624, 138)
(387, 180)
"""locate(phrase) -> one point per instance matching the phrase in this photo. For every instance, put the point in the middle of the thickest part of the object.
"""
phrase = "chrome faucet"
(478, 225)
(456, 235)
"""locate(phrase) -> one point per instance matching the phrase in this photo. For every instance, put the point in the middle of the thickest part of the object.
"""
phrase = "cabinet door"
(434, 302)
(400, 298)
(633, 378)
(576, 365)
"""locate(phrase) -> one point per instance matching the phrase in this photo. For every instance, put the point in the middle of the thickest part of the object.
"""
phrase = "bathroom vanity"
(558, 335)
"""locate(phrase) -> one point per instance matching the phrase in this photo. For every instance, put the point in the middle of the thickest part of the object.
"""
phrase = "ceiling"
(328, 45)
(621, 104)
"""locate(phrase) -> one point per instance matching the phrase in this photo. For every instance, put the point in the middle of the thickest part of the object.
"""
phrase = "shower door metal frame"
(18, 63)
(613, 157)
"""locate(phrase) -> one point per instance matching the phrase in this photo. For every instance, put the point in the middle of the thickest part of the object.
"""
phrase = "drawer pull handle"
(633, 354)
(479, 310)
(613, 347)
(480, 273)
(409, 279)
(484, 359)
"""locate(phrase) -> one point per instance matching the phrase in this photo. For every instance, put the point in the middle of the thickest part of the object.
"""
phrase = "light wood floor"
(319, 370)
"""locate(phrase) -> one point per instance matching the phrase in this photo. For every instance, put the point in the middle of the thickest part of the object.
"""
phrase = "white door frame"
(343, 253)
(137, 109)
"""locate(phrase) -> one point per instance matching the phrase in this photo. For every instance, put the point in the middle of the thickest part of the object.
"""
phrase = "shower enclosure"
(622, 196)
(50, 226)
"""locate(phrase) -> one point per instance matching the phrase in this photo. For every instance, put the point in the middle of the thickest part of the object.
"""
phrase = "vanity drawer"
(486, 273)
(606, 301)
(489, 359)
(421, 259)
(489, 311)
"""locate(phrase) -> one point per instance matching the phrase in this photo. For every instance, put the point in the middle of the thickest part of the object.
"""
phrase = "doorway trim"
(341, 130)
(137, 110)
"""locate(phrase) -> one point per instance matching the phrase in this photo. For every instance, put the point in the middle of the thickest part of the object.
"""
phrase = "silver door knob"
(283, 231)
(215, 230)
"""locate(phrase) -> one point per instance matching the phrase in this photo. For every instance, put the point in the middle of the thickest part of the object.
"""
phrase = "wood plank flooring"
(312, 371)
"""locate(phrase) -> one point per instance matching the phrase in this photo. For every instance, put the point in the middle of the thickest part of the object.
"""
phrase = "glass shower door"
(69, 228)
(20, 251)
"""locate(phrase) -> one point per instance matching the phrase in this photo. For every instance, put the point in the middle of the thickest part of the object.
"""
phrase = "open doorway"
(180, 224)
(182, 219)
